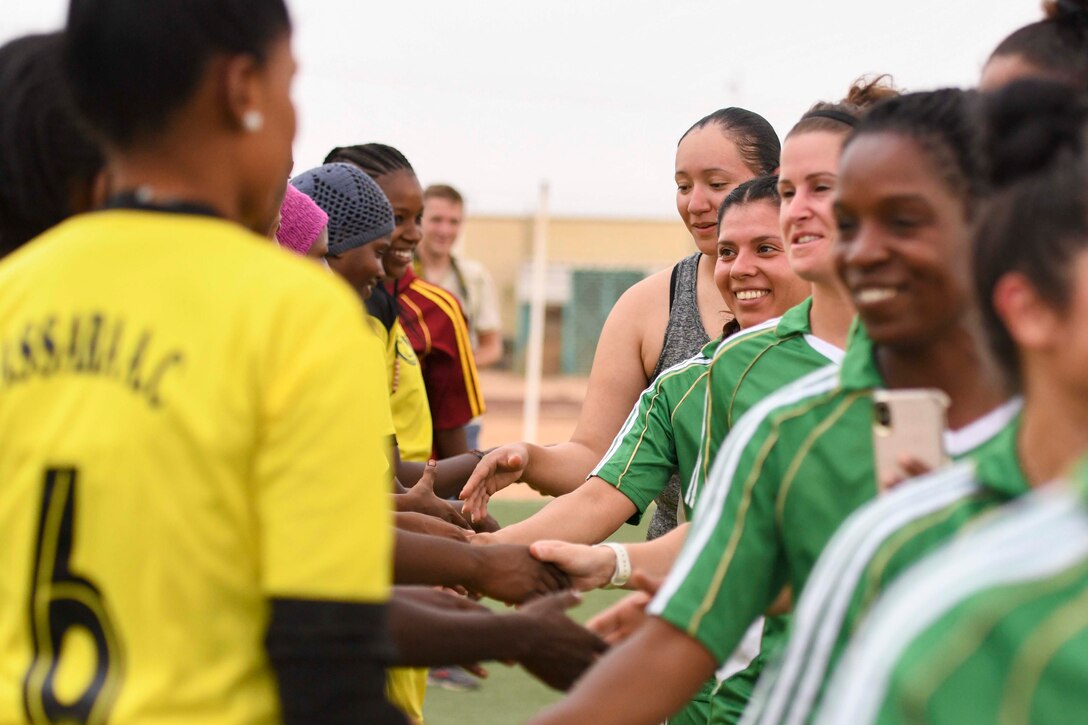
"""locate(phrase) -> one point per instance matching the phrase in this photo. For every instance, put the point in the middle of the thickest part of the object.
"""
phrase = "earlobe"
(1031, 322)
(242, 94)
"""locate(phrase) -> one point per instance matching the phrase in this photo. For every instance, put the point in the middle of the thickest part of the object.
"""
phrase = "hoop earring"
(252, 121)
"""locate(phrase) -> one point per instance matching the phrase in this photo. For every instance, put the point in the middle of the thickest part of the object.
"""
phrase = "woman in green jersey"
(659, 322)
(1031, 275)
(802, 460)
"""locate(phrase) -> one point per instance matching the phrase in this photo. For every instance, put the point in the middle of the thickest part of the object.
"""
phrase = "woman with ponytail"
(1054, 48)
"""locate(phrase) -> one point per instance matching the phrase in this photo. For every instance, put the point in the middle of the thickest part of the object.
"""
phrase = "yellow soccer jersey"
(408, 395)
(191, 423)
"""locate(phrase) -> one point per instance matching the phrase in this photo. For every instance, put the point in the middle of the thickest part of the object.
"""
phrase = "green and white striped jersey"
(663, 432)
(992, 628)
(792, 470)
(869, 551)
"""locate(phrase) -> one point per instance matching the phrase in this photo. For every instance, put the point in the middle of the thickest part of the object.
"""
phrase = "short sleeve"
(732, 565)
(642, 457)
(321, 471)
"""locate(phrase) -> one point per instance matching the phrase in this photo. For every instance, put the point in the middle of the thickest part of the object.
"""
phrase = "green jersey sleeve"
(643, 455)
(732, 564)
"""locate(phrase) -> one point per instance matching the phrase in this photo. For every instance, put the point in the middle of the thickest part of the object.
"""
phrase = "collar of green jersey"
(795, 321)
(859, 371)
(998, 465)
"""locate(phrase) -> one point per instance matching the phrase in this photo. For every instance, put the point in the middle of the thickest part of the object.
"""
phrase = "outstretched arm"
(585, 516)
(621, 367)
(506, 573)
(661, 664)
(590, 567)
(539, 636)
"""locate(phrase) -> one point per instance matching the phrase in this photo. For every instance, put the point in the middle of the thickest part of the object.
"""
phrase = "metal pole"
(534, 351)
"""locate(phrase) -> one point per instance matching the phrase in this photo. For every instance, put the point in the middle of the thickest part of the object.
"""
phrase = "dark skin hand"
(450, 477)
(504, 572)
(418, 523)
(421, 498)
(539, 636)
(450, 443)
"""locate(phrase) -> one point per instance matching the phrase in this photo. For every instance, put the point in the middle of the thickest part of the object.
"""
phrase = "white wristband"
(622, 572)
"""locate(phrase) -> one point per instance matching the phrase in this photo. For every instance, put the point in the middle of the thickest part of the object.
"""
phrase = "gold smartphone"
(908, 423)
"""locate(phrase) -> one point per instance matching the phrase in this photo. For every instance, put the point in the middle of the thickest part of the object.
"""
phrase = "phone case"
(908, 423)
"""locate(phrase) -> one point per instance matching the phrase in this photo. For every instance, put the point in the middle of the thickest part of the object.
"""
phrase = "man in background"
(467, 279)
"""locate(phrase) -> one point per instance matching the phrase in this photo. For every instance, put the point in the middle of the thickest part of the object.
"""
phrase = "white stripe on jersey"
(633, 416)
(818, 618)
(834, 356)
(1036, 537)
(725, 467)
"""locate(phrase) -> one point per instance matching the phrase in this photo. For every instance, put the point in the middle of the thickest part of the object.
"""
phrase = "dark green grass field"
(509, 695)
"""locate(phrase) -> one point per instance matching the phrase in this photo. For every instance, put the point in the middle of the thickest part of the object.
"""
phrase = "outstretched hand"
(509, 573)
(558, 649)
(421, 498)
(588, 567)
(495, 471)
(620, 621)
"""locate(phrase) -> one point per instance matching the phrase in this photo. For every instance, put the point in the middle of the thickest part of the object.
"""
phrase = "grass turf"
(509, 694)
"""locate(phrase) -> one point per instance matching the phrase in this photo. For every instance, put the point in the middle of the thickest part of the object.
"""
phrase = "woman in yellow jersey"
(194, 471)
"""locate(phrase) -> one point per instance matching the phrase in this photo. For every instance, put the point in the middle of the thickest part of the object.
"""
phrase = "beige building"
(504, 245)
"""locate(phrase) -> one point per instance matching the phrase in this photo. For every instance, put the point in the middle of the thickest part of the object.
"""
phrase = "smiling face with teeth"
(807, 180)
(904, 241)
(752, 271)
(405, 194)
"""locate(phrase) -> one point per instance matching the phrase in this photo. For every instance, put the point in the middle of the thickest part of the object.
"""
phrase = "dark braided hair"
(1057, 45)
(945, 124)
(754, 137)
(761, 188)
(1036, 222)
(375, 159)
(47, 158)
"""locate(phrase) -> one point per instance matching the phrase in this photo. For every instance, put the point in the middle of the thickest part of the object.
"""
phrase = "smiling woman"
(753, 272)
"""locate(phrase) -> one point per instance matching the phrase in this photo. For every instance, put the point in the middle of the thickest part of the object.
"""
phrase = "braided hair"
(375, 159)
(48, 161)
(945, 124)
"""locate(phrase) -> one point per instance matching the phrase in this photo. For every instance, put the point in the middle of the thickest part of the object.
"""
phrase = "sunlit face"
(752, 271)
(904, 241)
(266, 152)
(708, 167)
(806, 181)
(406, 196)
(441, 225)
(362, 266)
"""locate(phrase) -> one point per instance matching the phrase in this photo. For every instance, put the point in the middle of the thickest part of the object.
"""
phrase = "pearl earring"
(252, 121)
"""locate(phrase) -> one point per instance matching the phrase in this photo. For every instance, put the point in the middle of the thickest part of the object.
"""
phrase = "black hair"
(132, 63)
(1036, 222)
(755, 138)
(761, 188)
(945, 124)
(375, 159)
(1057, 45)
(843, 116)
(47, 158)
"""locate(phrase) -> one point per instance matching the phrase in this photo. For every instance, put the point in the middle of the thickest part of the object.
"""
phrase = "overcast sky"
(494, 96)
